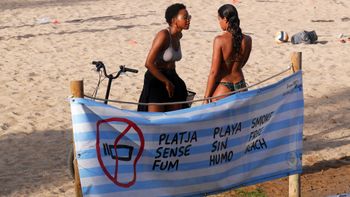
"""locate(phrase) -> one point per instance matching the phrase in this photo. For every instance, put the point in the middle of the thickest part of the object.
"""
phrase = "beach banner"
(243, 139)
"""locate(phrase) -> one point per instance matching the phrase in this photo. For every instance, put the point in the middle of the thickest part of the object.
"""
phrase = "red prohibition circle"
(130, 124)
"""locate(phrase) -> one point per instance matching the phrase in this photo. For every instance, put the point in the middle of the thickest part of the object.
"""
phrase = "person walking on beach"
(231, 51)
(161, 82)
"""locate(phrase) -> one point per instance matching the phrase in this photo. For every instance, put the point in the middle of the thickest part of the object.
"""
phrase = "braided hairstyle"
(229, 12)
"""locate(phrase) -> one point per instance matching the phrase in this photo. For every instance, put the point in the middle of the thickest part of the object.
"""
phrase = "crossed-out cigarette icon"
(119, 151)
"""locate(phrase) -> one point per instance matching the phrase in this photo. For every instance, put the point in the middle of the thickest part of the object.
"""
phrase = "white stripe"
(195, 125)
(234, 179)
(91, 163)
(230, 105)
(115, 112)
(275, 118)
(145, 176)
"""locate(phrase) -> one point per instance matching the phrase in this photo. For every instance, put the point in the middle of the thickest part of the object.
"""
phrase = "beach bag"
(306, 37)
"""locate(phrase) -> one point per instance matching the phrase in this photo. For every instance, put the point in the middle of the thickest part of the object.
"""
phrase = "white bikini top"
(170, 54)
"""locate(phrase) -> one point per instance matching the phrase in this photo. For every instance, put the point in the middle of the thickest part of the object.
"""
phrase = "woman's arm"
(158, 43)
(214, 70)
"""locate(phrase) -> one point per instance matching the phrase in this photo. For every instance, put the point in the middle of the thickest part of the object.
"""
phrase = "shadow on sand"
(33, 160)
(25, 36)
(16, 4)
(328, 122)
(325, 165)
(92, 19)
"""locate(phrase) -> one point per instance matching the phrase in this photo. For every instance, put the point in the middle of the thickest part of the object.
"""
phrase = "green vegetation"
(259, 192)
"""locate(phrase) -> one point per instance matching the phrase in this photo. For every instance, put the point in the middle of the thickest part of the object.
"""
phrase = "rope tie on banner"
(196, 100)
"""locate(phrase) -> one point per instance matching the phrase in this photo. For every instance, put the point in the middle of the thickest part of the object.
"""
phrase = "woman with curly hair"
(161, 82)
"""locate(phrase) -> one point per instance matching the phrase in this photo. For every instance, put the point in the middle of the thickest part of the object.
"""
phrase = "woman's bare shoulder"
(162, 37)
(247, 38)
(218, 40)
(163, 33)
(247, 42)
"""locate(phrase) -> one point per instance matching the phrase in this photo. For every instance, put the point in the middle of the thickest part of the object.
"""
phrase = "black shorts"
(154, 91)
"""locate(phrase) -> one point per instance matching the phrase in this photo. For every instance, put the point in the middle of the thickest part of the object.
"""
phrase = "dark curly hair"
(229, 12)
(172, 11)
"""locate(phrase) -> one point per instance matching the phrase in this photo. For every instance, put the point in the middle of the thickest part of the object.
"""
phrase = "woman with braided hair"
(231, 51)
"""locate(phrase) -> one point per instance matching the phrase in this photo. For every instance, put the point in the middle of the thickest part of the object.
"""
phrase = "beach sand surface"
(44, 44)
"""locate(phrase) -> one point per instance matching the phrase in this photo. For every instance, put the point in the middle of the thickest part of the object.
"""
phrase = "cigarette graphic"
(113, 150)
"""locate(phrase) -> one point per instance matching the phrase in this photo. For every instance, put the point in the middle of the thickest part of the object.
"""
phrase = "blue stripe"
(240, 95)
(161, 183)
(97, 171)
(91, 135)
(149, 137)
(235, 141)
(91, 117)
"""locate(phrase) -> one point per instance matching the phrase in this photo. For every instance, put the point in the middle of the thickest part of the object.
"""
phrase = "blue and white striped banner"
(244, 139)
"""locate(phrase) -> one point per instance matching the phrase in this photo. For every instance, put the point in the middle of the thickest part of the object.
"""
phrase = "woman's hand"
(170, 88)
(206, 101)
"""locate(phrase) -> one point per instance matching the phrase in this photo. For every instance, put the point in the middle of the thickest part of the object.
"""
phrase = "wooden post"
(77, 89)
(294, 180)
(296, 61)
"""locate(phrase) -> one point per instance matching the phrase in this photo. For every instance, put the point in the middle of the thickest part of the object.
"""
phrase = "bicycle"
(101, 68)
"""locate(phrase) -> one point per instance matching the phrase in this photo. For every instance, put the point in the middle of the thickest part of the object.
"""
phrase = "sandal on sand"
(307, 37)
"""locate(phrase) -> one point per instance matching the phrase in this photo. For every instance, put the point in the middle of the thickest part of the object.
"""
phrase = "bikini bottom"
(233, 86)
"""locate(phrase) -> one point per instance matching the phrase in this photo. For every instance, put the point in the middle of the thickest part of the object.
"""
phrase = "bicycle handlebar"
(123, 68)
(98, 65)
(96, 62)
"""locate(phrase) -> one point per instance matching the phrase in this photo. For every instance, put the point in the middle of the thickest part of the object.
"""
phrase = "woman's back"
(231, 51)
(232, 64)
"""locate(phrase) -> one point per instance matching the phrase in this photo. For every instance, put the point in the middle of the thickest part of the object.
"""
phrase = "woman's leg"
(156, 108)
(220, 90)
(173, 107)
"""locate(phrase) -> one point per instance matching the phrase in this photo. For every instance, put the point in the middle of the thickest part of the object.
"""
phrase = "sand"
(44, 44)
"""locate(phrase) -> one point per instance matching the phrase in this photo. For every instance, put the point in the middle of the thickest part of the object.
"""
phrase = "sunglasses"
(185, 17)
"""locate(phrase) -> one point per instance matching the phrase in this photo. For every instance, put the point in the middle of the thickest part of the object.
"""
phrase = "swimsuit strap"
(170, 54)
(170, 45)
